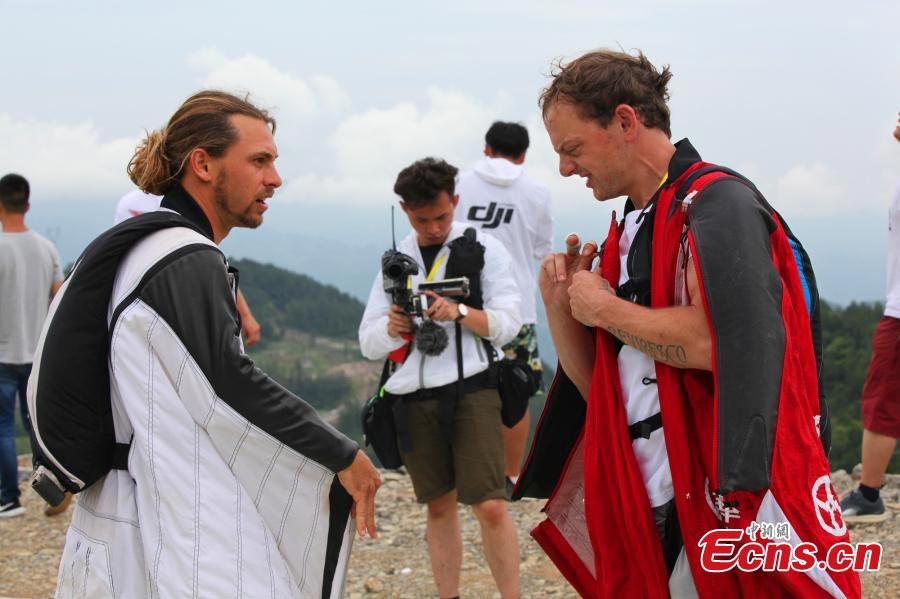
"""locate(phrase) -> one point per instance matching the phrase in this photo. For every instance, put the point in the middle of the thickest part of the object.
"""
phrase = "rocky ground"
(396, 565)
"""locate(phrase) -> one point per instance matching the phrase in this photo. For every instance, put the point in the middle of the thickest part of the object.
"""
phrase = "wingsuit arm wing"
(742, 290)
(192, 294)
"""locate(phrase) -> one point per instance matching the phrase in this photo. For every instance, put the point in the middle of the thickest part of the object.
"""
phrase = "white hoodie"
(500, 199)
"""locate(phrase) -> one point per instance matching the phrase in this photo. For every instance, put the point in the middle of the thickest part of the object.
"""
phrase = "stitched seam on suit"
(265, 478)
(112, 584)
(237, 448)
(181, 368)
(97, 514)
(196, 503)
(290, 502)
(269, 565)
(240, 540)
(150, 453)
(118, 330)
(312, 532)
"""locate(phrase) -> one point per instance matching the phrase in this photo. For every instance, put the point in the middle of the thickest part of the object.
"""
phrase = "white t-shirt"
(133, 203)
(637, 374)
(29, 265)
(497, 197)
(892, 307)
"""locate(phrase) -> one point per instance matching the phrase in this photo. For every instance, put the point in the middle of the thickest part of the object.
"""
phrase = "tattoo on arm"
(670, 354)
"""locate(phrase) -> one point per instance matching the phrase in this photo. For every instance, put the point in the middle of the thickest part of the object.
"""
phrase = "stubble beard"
(246, 219)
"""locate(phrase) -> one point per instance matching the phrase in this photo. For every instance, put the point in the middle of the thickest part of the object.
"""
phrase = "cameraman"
(461, 460)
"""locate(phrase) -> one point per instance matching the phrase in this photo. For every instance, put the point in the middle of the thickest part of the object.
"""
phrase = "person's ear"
(199, 162)
(627, 120)
(455, 200)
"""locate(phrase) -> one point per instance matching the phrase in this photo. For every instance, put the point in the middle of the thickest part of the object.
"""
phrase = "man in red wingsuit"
(696, 342)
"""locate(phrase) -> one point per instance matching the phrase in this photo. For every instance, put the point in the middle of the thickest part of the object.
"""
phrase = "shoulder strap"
(74, 385)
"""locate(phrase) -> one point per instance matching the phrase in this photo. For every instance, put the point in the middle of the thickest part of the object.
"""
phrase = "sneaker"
(857, 509)
(52, 510)
(11, 509)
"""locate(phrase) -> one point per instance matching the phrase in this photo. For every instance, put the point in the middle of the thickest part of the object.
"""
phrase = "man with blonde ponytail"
(219, 482)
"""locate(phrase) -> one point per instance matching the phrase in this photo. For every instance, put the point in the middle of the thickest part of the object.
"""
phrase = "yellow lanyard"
(663, 181)
(434, 269)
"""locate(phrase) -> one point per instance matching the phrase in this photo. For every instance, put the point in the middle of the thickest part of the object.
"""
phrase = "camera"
(419, 302)
(397, 267)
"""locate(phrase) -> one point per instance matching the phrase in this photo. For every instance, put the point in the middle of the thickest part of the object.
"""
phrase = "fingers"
(588, 253)
(370, 515)
(573, 243)
(362, 516)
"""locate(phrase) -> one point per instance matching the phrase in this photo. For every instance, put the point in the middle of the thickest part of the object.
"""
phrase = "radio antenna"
(393, 234)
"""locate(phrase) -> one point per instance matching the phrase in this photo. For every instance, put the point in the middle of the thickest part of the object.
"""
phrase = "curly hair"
(421, 182)
(599, 81)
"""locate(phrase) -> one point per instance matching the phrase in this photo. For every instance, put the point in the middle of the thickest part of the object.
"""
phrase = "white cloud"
(65, 161)
(811, 190)
(371, 147)
(290, 97)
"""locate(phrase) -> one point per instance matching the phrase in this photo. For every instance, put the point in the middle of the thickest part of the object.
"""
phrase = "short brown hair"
(599, 81)
(421, 182)
(201, 122)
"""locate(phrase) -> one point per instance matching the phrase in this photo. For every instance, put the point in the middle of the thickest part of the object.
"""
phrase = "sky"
(802, 97)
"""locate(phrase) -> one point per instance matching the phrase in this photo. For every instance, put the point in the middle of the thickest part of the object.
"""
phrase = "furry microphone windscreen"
(431, 338)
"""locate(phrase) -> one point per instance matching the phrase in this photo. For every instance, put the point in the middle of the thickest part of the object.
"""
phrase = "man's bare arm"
(678, 336)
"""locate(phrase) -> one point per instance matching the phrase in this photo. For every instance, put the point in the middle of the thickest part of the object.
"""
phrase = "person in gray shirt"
(30, 276)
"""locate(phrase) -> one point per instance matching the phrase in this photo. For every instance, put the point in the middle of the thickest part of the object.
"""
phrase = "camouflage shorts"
(524, 347)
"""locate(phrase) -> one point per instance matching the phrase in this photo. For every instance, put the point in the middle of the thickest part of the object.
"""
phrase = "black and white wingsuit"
(230, 487)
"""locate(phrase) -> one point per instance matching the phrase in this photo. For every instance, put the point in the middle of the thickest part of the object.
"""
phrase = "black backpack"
(72, 439)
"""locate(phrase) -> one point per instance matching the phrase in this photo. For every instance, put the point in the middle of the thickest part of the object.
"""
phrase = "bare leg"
(501, 545)
(444, 543)
(877, 450)
(514, 440)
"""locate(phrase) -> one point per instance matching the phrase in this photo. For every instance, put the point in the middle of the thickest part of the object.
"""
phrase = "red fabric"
(628, 557)
(881, 394)
(564, 558)
(399, 354)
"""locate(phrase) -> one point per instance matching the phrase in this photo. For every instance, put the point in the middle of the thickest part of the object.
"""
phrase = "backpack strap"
(120, 456)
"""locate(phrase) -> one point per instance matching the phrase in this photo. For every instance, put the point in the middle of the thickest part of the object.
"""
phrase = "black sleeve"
(192, 294)
(732, 240)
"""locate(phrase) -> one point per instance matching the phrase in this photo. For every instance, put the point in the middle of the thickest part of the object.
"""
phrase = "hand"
(590, 296)
(557, 271)
(441, 308)
(251, 330)
(399, 322)
(361, 480)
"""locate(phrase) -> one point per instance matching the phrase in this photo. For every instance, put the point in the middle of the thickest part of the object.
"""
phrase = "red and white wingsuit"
(743, 441)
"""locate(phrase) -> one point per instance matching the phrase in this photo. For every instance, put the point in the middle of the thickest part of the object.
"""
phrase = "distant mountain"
(281, 300)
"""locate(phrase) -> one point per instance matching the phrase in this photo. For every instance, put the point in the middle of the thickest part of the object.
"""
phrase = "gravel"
(396, 565)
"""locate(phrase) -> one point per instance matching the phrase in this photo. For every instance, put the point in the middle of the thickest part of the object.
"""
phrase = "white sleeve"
(374, 341)
(543, 236)
(500, 293)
